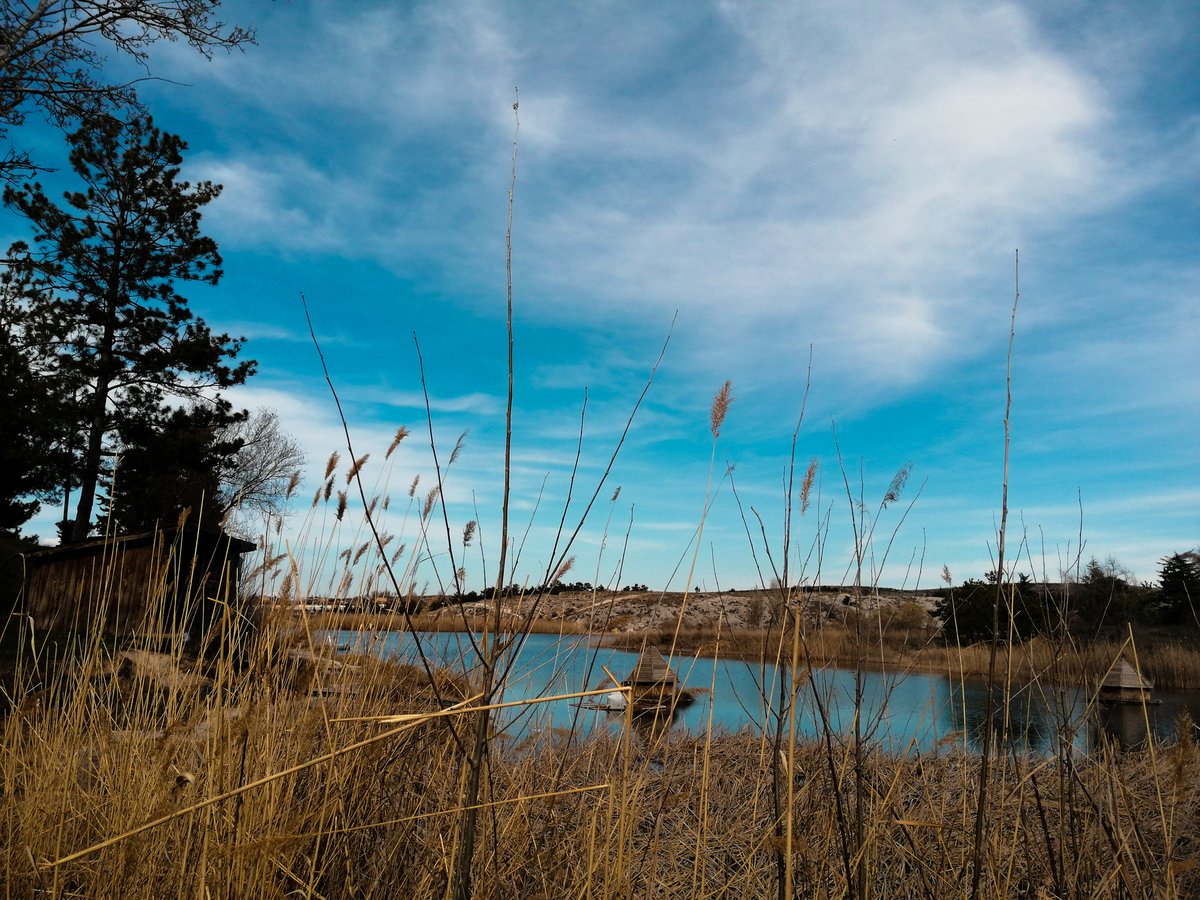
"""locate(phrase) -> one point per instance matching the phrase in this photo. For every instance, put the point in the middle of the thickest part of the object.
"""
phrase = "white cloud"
(783, 175)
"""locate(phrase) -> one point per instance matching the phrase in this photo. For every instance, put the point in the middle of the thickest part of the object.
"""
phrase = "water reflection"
(1125, 725)
(1026, 716)
(897, 713)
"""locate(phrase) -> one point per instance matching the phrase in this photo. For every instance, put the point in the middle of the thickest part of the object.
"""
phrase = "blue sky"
(778, 180)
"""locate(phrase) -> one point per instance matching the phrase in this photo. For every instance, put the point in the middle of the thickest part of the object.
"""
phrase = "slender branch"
(988, 726)
(425, 664)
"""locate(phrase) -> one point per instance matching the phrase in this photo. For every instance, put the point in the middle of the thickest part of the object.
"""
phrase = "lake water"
(899, 712)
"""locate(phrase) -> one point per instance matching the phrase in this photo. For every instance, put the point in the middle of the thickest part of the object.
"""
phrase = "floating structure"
(1124, 684)
(652, 684)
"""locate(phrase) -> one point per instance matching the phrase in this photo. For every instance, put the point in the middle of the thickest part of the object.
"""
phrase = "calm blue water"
(914, 711)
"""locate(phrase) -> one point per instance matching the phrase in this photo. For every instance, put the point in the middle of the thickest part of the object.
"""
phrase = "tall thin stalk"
(461, 889)
(988, 725)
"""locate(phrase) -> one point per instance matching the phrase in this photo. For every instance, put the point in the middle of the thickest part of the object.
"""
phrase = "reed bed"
(266, 780)
(1170, 664)
(358, 621)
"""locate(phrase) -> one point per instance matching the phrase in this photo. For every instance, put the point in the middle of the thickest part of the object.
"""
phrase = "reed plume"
(430, 498)
(720, 407)
(401, 434)
(897, 486)
(563, 569)
(358, 464)
(806, 485)
(457, 451)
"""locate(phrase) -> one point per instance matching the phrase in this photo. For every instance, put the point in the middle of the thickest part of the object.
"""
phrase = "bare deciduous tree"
(266, 467)
(51, 58)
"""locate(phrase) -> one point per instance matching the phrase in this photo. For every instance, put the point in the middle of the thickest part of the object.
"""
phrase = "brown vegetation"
(297, 772)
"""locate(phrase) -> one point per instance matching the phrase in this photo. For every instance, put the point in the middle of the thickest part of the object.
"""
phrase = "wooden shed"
(1124, 684)
(156, 584)
(652, 680)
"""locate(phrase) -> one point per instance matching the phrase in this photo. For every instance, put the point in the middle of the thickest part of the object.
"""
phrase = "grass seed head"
(429, 501)
(358, 464)
(458, 445)
(563, 569)
(806, 485)
(720, 406)
(332, 464)
(897, 485)
(401, 434)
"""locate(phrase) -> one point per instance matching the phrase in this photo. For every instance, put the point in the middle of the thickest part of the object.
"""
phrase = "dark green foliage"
(38, 410)
(22, 474)
(1106, 596)
(102, 275)
(1179, 580)
(967, 612)
(170, 461)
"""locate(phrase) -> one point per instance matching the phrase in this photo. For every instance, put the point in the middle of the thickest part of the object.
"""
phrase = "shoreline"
(1171, 665)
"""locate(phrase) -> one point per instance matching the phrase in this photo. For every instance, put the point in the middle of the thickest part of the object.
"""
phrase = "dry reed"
(274, 780)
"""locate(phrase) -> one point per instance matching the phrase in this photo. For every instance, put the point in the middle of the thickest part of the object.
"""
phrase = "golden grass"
(357, 621)
(294, 772)
(286, 776)
(257, 790)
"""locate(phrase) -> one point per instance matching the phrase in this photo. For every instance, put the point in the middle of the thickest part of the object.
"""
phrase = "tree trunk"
(90, 475)
(97, 423)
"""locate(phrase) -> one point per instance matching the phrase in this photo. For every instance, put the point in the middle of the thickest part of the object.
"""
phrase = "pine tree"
(1179, 577)
(38, 408)
(106, 267)
(169, 465)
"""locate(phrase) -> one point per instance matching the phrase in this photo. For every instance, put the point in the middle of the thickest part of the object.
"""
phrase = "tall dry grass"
(300, 775)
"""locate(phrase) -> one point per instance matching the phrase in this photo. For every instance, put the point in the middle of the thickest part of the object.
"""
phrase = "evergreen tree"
(38, 409)
(966, 612)
(105, 269)
(1179, 596)
(169, 461)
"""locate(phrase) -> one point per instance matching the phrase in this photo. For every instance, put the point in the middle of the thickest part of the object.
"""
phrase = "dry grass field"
(288, 773)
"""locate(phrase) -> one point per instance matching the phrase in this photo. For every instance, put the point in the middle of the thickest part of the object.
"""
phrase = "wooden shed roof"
(235, 546)
(651, 668)
(1125, 677)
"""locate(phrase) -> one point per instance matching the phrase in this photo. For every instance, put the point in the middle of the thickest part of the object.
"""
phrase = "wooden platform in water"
(1125, 684)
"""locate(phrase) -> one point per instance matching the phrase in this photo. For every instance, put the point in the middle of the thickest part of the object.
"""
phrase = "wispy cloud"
(785, 176)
